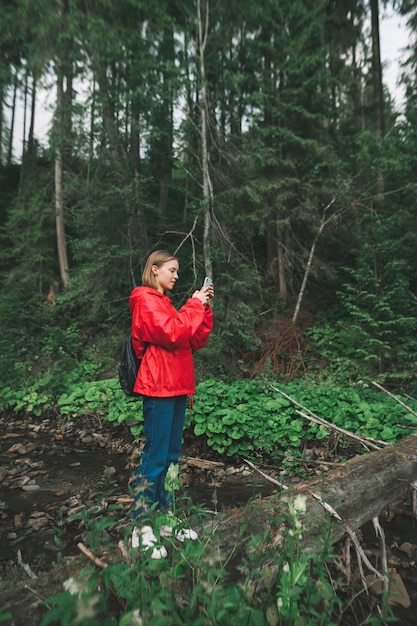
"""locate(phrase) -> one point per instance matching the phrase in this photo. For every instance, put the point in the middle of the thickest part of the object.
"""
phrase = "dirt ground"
(51, 469)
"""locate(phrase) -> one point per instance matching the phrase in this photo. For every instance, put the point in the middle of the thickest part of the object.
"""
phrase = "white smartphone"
(207, 282)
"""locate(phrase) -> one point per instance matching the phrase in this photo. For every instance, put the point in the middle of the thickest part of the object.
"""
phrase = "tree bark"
(59, 184)
(203, 17)
(359, 491)
(378, 93)
(31, 140)
(281, 255)
(10, 148)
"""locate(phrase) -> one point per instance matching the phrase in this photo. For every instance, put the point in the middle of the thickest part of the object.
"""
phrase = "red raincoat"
(165, 339)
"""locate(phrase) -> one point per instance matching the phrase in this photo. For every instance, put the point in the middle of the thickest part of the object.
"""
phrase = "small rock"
(37, 514)
(31, 487)
(407, 547)
(37, 523)
(397, 592)
(76, 511)
(16, 448)
(18, 522)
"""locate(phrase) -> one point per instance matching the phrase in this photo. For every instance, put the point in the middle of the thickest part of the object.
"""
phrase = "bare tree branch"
(323, 223)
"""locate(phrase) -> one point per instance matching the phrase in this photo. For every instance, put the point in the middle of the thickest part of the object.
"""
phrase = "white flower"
(300, 505)
(73, 586)
(286, 568)
(136, 619)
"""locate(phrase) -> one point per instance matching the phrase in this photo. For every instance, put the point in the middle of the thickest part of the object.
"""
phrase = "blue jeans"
(163, 429)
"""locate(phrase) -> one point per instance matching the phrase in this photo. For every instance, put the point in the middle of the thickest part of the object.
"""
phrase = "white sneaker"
(144, 538)
(181, 534)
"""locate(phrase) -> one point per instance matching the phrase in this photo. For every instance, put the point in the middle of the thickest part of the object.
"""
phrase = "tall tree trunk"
(24, 163)
(283, 291)
(91, 131)
(166, 123)
(203, 20)
(122, 166)
(10, 149)
(25, 106)
(59, 181)
(191, 98)
(1, 121)
(356, 86)
(31, 144)
(378, 92)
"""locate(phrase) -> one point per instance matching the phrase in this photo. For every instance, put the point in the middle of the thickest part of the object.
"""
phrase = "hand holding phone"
(210, 293)
(205, 294)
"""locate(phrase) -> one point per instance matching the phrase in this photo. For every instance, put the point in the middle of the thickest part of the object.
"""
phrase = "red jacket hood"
(138, 291)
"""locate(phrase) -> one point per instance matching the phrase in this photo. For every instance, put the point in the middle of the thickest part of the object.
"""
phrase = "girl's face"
(166, 275)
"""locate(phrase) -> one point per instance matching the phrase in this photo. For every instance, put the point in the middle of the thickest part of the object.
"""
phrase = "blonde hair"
(158, 258)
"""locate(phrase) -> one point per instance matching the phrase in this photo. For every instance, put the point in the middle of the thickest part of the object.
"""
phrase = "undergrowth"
(247, 418)
(274, 584)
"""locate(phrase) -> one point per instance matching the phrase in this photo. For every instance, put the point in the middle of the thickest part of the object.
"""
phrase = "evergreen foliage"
(302, 186)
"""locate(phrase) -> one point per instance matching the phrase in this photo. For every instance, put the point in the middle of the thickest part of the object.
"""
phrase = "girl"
(164, 339)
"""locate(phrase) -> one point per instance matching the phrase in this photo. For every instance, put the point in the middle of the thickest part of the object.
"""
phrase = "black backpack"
(128, 368)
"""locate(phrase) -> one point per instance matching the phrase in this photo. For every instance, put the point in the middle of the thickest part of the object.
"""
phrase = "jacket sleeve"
(200, 337)
(161, 324)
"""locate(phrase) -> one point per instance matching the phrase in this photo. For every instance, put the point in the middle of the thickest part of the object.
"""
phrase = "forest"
(258, 142)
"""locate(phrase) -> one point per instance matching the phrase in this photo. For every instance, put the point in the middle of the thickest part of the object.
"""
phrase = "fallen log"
(204, 463)
(358, 491)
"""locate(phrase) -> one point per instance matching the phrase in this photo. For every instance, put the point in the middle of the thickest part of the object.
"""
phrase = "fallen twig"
(384, 562)
(99, 562)
(124, 500)
(35, 593)
(361, 554)
(124, 552)
(272, 480)
(391, 395)
(326, 506)
(365, 441)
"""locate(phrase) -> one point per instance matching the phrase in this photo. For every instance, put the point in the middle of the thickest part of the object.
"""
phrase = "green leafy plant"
(276, 586)
(249, 418)
(241, 419)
